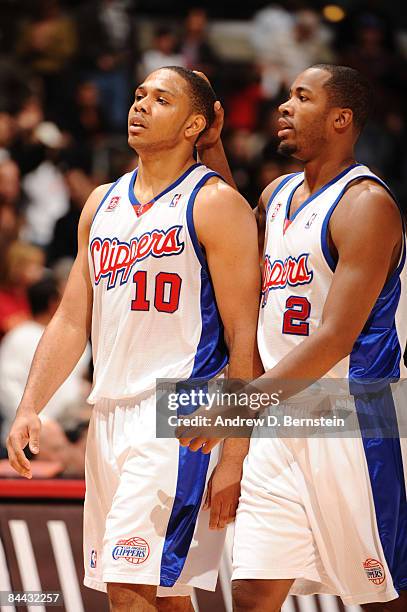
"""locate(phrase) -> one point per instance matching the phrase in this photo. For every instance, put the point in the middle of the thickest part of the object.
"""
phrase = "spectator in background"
(6, 126)
(47, 44)
(371, 50)
(22, 267)
(56, 448)
(64, 242)
(16, 353)
(85, 119)
(11, 202)
(164, 52)
(285, 44)
(45, 187)
(196, 49)
(239, 148)
(106, 52)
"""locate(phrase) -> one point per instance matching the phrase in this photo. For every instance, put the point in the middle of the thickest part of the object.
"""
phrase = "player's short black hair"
(41, 293)
(202, 95)
(348, 88)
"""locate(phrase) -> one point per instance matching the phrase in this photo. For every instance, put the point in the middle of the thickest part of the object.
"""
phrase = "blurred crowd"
(68, 71)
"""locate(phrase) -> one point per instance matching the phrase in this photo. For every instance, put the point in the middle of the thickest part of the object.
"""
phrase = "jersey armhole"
(190, 217)
(389, 285)
(279, 187)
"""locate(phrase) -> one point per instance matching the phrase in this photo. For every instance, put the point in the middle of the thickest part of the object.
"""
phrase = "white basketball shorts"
(142, 518)
(329, 513)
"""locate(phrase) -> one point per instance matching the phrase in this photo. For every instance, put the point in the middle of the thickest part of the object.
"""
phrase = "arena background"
(67, 76)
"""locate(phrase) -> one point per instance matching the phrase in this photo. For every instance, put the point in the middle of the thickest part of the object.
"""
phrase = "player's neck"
(155, 174)
(318, 172)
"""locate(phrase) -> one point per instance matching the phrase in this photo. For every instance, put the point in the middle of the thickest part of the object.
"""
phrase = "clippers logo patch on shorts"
(113, 203)
(374, 571)
(134, 550)
(93, 558)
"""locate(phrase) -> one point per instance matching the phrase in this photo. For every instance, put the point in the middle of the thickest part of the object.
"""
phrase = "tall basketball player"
(155, 280)
(326, 515)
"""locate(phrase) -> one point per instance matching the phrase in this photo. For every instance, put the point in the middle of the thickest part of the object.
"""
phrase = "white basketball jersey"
(297, 275)
(154, 309)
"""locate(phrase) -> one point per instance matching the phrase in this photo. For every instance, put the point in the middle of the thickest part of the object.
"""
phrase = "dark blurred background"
(68, 71)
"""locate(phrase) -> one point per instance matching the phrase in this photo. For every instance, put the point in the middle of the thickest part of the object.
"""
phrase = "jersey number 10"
(166, 293)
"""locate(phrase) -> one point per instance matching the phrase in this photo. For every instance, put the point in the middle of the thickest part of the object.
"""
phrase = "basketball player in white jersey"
(326, 515)
(166, 279)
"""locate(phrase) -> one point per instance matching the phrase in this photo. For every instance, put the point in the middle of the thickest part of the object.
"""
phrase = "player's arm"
(59, 349)
(226, 229)
(366, 230)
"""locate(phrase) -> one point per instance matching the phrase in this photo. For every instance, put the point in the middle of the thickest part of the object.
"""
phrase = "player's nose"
(285, 108)
(141, 105)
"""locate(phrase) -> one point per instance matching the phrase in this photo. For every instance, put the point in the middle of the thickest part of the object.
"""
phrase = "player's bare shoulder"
(220, 209)
(216, 200)
(91, 206)
(268, 192)
(368, 202)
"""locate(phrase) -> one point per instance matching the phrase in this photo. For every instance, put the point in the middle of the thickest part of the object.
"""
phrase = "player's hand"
(200, 436)
(212, 136)
(222, 495)
(25, 430)
(200, 442)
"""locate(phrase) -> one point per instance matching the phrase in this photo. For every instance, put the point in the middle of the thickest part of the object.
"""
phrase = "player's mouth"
(136, 125)
(285, 127)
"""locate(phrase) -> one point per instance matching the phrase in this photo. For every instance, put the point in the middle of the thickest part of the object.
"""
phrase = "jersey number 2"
(295, 317)
(166, 293)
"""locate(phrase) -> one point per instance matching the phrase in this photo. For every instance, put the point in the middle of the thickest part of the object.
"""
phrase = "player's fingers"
(197, 443)
(215, 513)
(219, 110)
(185, 441)
(209, 445)
(34, 433)
(202, 75)
(224, 516)
(207, 502)
(17, 459)
(232, 513)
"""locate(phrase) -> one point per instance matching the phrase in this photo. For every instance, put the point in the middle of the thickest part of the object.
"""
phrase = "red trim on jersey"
(287, 223)
(140, 209)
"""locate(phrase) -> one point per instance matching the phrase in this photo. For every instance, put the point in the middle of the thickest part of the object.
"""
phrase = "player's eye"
(138, 97)
(162, 101)
(303, 98)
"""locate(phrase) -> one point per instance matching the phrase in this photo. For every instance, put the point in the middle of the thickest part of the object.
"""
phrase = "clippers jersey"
(154, 309)
(297, 275)
(334, 508)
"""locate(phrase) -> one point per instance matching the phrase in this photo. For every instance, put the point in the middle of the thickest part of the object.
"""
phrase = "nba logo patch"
(93, 558)
(113, 203)
(374, 571)
(310, 220)
(175, 200)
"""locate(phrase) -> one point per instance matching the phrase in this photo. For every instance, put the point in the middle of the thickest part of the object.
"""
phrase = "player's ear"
(343, 118)
(195, 126)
